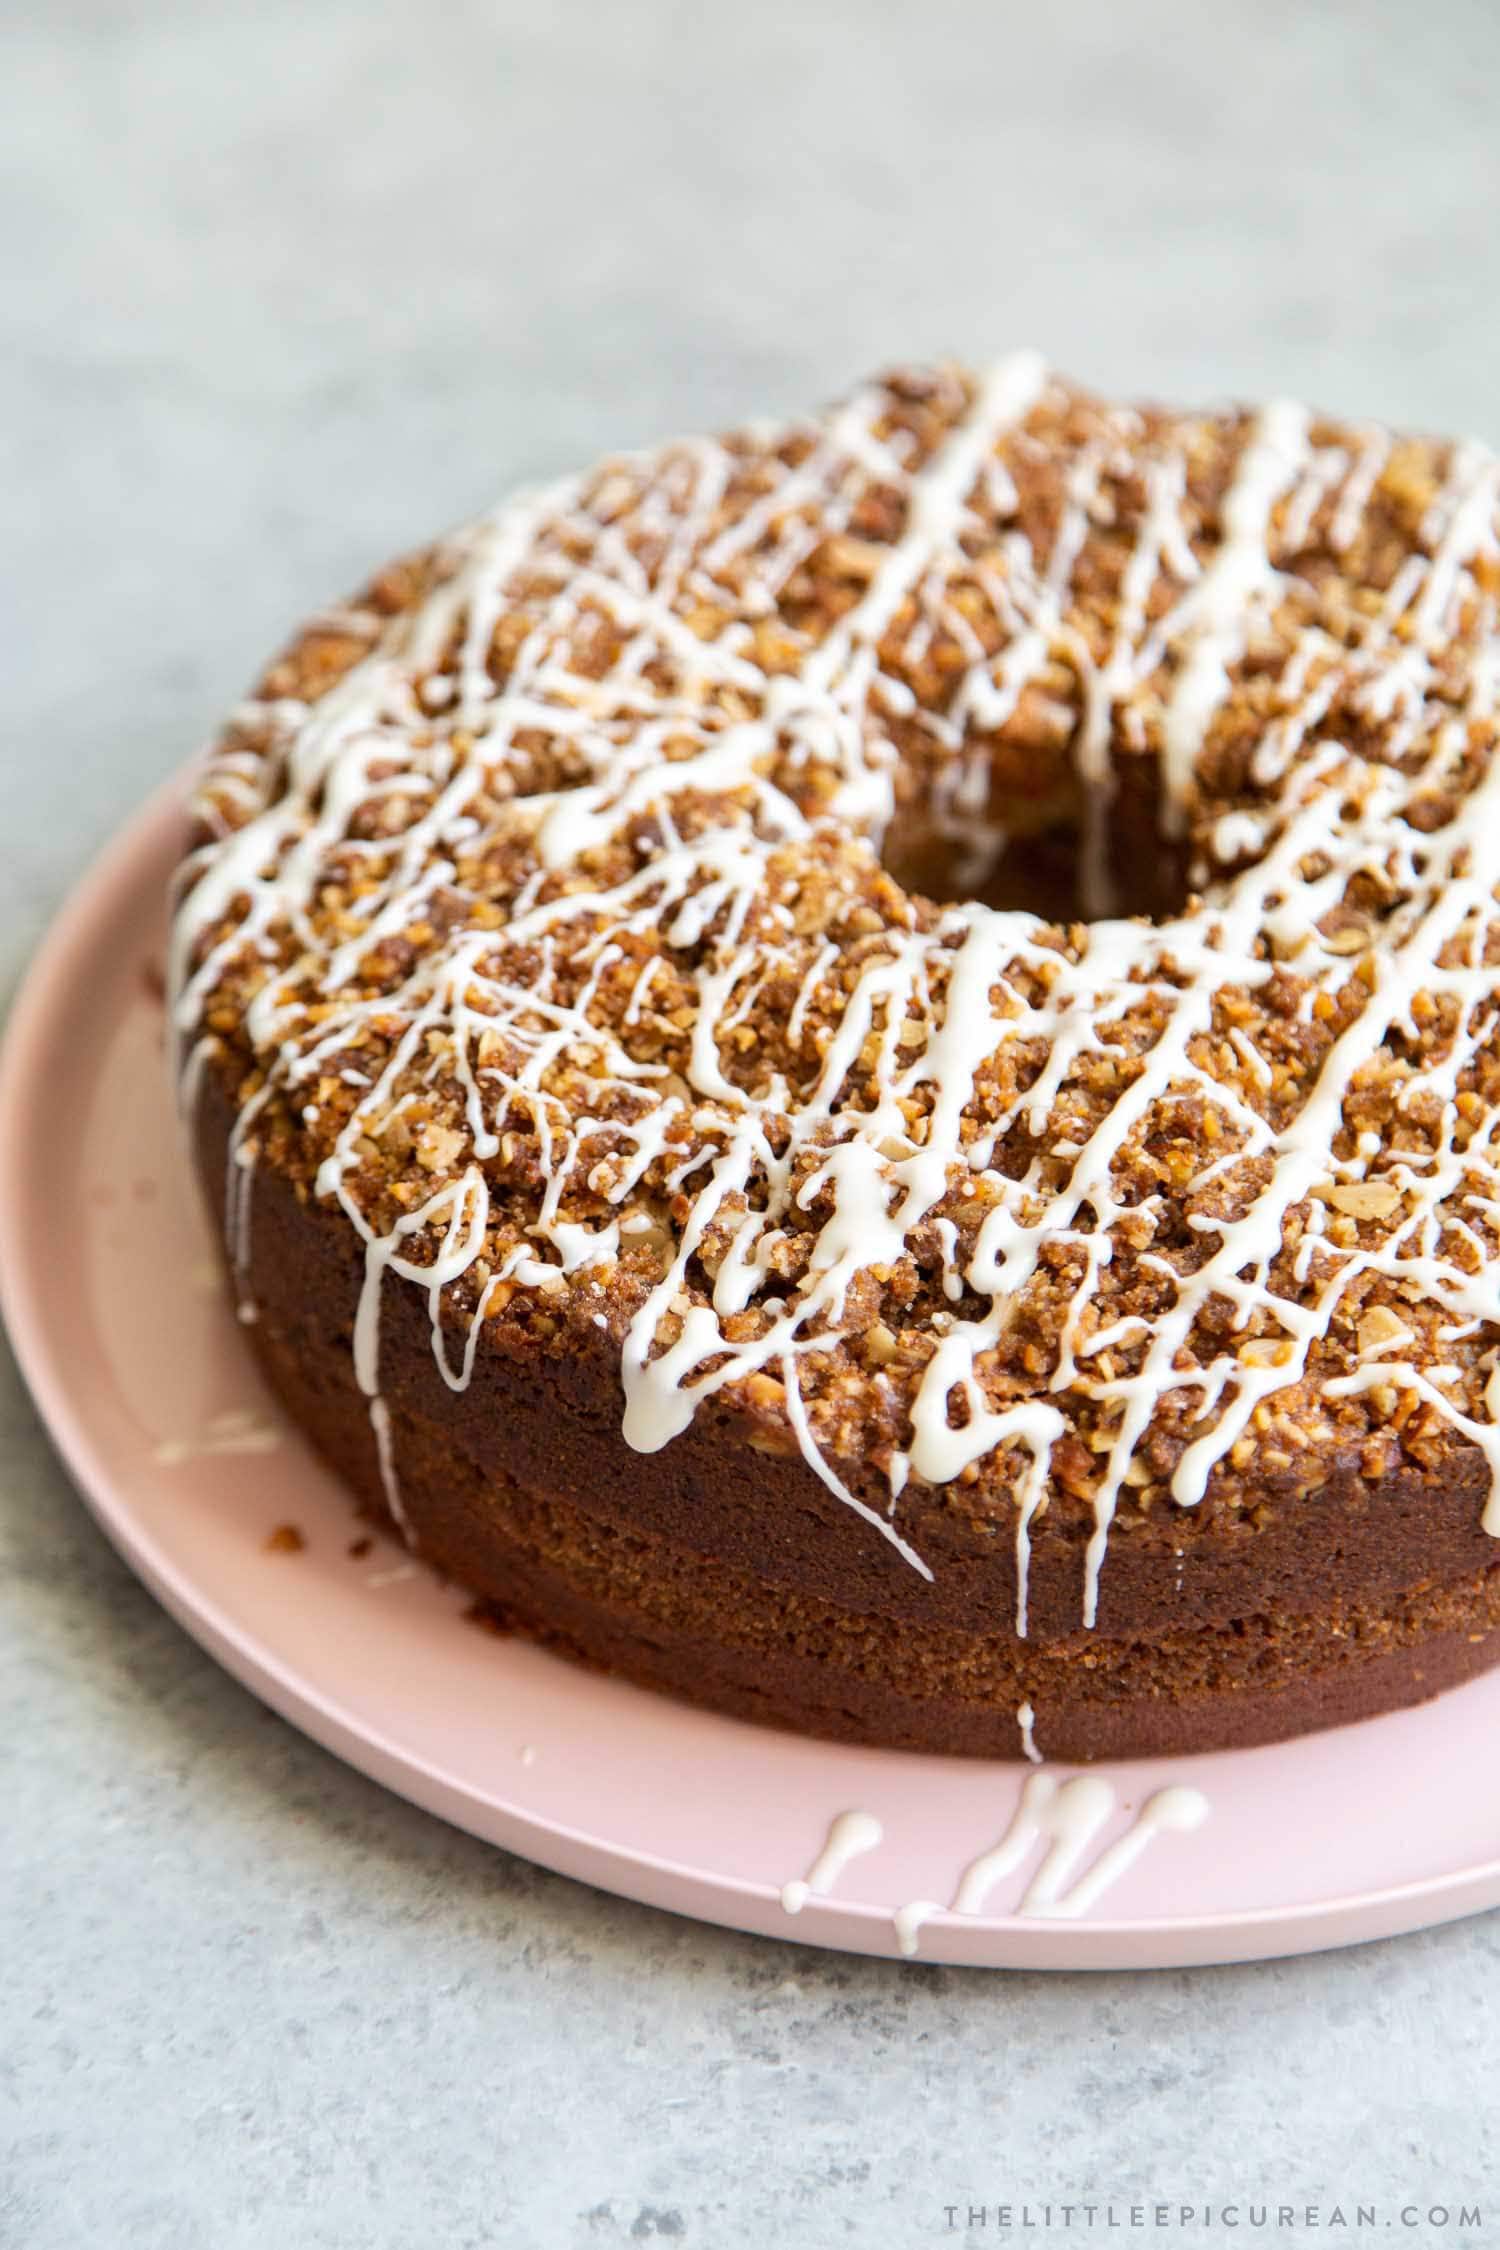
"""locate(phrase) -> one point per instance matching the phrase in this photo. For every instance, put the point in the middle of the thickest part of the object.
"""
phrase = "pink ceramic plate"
(115, 1309)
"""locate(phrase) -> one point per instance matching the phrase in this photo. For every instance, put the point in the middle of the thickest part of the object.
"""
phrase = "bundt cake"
(854, 1069)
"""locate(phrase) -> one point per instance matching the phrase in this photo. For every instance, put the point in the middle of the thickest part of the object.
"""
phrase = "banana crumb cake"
(854, 1069)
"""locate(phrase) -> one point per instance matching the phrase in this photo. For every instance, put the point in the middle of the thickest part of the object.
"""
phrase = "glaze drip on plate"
(851, 1835)
(1067, 1818)
(552, 943)
(1062, 1817)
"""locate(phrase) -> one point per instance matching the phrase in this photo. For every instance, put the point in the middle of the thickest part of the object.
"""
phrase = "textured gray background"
(278, 295)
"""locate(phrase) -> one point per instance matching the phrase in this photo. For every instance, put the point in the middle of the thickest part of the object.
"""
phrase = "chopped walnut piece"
(1363, 1199)
(439, 1148)
(878, 1345)
(1380, 1328)
(1267, 1351)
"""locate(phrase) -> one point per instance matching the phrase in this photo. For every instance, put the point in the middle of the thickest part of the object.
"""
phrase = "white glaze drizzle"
(399, 1574)
(909, 1921)
(1219, 610)
(850, 1836)
(977, 979)
(239, 1202)
(238, 1430)
(1068, 1816)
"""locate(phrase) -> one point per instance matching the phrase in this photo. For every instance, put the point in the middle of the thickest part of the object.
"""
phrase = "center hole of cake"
(1050, 849)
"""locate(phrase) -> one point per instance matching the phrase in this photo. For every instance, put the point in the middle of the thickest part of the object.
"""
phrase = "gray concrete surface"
(284, 287)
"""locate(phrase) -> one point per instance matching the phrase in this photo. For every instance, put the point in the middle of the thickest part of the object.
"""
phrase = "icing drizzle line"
(851, 1835)
(1067, 1816)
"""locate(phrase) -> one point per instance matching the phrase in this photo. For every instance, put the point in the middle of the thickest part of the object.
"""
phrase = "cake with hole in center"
(853, 1070)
